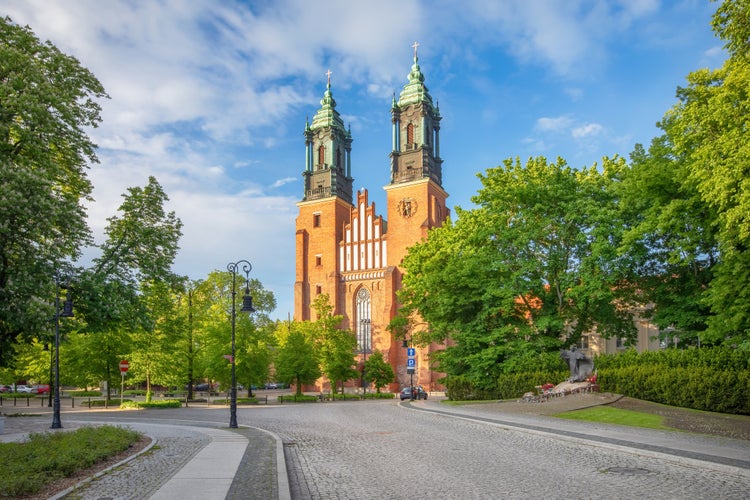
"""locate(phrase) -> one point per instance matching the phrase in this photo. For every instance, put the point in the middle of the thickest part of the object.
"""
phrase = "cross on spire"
(416, 44)
(328, 73)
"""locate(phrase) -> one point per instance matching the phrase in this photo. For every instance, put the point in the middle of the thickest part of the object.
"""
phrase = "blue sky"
(211, 97)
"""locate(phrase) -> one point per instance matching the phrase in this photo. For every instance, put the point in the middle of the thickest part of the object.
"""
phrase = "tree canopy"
(47, 100)
(708, 132)
(530, 269)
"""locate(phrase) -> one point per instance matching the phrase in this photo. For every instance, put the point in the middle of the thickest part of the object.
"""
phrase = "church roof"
(327, 116)
(415, 91)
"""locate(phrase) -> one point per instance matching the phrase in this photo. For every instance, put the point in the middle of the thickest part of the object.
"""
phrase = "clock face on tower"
(407, 207)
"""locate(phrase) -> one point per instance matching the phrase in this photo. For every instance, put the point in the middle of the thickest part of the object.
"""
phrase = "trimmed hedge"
(85, 394)
(711, 379)
(165, 403)
(699, 388)
(508, 386)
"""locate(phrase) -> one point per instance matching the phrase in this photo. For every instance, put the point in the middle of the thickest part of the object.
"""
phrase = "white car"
(23, 388)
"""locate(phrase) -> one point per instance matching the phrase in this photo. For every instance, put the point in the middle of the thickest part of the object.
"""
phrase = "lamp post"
(247, 306)
(67, 312)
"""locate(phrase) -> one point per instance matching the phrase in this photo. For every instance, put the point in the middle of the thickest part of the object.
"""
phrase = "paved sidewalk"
(209, 474)
(682, 446)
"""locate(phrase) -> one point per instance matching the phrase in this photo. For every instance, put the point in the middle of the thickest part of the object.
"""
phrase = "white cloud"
(285, 180)
(554, 124)
(587, 130)
(210, 97)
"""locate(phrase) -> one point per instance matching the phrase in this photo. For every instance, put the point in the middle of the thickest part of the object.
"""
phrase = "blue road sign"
(411, 352)
(411, 362)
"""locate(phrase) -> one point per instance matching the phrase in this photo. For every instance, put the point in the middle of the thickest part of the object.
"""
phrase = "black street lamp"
(247, 306)
(67, 312)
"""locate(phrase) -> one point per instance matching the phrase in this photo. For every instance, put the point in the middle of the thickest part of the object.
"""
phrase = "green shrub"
(460, 388)
(240, 401)
(293, 398)
(25, 468)
(341, 397)
(378, 395)
(697, 387)
(164, 403)
(102, 402)
(134, 392)
(85, 394)
(712, 379)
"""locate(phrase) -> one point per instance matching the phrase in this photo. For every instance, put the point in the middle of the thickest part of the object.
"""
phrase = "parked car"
(40, 389)
(6, 388)
(419, 393)
(23, 388)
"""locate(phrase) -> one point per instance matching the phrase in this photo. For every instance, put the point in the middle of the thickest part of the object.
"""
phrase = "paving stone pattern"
(379, 450)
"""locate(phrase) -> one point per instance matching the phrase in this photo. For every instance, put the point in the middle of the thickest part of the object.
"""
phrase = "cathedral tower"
(325, 206)
(416, 199)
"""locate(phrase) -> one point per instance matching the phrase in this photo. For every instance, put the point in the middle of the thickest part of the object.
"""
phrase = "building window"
(316, 220)
(364, 325)
(318, 260)
(621, 343)
(584, 342)
(318, 289)
(409, 135)
(321, 156)
(338, 158)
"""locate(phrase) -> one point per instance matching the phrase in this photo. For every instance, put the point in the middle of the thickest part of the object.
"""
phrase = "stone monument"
(580, 366)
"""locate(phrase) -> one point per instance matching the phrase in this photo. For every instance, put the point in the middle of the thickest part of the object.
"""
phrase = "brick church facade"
(344, 248)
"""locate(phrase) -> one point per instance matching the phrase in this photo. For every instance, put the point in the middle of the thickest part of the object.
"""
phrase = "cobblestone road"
(375, 450)
(368, 450)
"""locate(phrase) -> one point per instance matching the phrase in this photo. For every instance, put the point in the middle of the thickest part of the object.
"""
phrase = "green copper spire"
(415, 91)
(327, 116)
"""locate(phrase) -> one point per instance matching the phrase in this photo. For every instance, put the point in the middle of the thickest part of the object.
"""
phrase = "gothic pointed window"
(409, 135)
(364, 331)
(321, 157)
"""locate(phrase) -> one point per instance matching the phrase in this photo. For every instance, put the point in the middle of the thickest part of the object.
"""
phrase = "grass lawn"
(609, 415)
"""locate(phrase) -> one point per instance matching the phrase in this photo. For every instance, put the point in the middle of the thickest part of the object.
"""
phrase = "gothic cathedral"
(348, 251)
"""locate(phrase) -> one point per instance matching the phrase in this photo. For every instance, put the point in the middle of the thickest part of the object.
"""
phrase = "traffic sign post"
(411, 364)
(124, 367)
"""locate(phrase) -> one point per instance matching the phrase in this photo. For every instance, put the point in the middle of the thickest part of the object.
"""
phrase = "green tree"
(111, 298)
(296, 359)
(152, 355)
(47, 101)
(336, 347)
(670, 239)
(530, 269)
(213, 331)
(378, 371)
(708, 129)
(142, 242)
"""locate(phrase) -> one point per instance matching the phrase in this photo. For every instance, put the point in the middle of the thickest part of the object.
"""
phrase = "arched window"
(321, 156)
(364, 325)
(338, 158)
(409, 135)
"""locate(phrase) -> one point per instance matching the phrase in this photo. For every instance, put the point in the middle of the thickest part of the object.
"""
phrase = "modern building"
(345, 248)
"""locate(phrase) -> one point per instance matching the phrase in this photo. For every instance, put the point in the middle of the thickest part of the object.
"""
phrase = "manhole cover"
(630, 471)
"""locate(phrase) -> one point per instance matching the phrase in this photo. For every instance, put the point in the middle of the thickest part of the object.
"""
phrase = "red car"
(40, 389)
